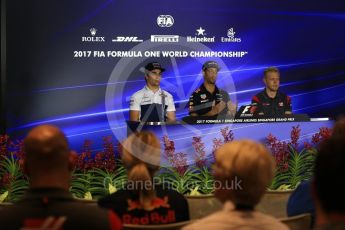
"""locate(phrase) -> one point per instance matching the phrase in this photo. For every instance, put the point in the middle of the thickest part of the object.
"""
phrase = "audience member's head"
(328, 185)
(339, 129)
(244, 169)
(48, 161)
(49, 204)
(141, 157)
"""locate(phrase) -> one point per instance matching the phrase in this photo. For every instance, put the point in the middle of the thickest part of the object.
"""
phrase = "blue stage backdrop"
(76, 63)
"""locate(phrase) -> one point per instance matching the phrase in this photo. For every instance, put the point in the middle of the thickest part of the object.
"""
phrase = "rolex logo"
(93, 31)
(93, 38)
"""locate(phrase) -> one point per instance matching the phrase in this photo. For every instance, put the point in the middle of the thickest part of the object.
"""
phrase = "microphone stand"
(163, 107)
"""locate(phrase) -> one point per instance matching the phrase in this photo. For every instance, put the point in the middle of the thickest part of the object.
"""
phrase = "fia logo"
(165, 21)
(93, 31)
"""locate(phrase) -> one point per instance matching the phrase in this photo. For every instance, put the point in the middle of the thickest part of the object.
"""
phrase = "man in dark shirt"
(271, 102)
(48, 204)
(208, 100)
(329, 201)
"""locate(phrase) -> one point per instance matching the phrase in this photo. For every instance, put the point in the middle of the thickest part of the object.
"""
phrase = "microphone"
(163, 106)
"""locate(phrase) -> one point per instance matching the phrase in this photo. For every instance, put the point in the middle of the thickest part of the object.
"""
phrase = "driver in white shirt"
(152, 104)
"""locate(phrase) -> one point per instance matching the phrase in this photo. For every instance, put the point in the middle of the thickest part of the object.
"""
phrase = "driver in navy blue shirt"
(209, 100)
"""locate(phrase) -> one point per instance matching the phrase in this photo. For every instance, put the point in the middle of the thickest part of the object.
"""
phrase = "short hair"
(328, 171)
(339, 129)
(249, 162)
(271, 69)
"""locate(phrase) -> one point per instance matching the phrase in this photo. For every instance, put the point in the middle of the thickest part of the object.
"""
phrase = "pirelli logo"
(164, 38)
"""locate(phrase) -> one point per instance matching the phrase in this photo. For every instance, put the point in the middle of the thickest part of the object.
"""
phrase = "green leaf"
(300, 167)
(195, 192)
(112, 189)
(3, 196)
(284, 187)
(88, 196)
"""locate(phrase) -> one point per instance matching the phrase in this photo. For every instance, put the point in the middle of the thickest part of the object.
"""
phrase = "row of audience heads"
(48, 154)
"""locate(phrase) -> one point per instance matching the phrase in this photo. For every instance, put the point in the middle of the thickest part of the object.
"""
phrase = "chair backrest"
(5, 203)
(274, 203)
(87, 202)
(298, 222)
(173, 226)
(203, 205)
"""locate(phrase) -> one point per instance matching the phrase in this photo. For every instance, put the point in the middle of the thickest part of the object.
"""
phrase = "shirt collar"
(36, 193)
(203, 88)
(266, 95)
(148, 89)
(228, 206)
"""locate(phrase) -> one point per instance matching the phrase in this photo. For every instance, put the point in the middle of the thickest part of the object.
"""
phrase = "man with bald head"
(48, 203)
(48, 159)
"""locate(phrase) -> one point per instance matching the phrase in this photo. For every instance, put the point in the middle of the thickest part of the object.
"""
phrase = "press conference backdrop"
(76, 63)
